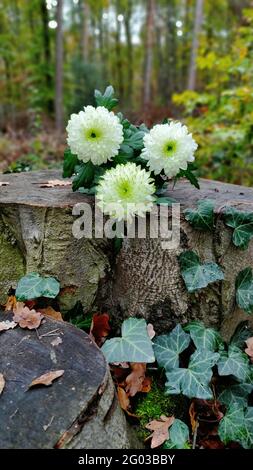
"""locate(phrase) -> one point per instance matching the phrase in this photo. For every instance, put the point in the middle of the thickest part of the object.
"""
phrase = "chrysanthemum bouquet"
(127, 167)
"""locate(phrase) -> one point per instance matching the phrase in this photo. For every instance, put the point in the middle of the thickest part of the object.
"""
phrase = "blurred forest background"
(186, 59)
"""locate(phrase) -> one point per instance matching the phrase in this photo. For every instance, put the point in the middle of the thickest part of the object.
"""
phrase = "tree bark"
(127, 23)
(47, 52)
(149, 43)
(119, 62)
(85, 31)
(195, 44)
(59, 69)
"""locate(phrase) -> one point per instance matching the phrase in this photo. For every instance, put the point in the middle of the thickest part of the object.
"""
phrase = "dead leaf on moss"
(28, 318)
(47, 379)
(146, 385)
(249, 349)
(7, 325)
(151, 331)
(55, 183)
(124, 401)
(134, 381)
(56, 341)
(50, 312)
(160, 430)
(2, 383)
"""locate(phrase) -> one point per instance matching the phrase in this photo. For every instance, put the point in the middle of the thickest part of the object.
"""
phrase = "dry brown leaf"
(151, 331)
(2, 383)
(50, 312)
(134, 381)
(47, 379)
(193, 416)
(12, 305)
(146, 385)
(160, 430)
(28, 318)
(100, 328)
(4, 183)
(124, 401)
(7, 325)
(249, 349)
(54, 183)
(56, 341)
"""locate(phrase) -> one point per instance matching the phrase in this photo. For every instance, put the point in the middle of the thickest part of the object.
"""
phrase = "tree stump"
(144, 279)
(79, 410)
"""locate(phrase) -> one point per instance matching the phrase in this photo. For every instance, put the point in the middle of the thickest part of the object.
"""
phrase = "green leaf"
(233, 362)
(241, 334)
(235, 394)
(197, 275)
(201, 218)
(134, 346)
(205, 338)
(244, 290)
(107, 99)
(133, 137)
(193, 381)
(33, 286)
(165, 201)
(230, 426)
(69, 164)
(84, 177)
(168, 347)
(242, 223)
(188, 174)
(179, 434)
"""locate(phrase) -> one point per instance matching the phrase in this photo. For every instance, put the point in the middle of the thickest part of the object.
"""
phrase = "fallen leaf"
(12, 305)
(4, 183)
(146, 385)
(134, 381)
(100, 328)
(54, 183)
(47, 379)
(160, 430)
(151, 331)
(28, 318)
(249, 349)
(50, 312)
(2, 383)
(56, 341)
(124, 401)
(7, 325)
(193, 417)
(123, 365)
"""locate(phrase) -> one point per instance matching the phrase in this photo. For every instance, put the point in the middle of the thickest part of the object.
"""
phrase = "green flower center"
(170, 148)
(125, 189)
(93, 134)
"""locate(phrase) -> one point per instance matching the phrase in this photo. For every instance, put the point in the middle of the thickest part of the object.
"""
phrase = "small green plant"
(33, 286)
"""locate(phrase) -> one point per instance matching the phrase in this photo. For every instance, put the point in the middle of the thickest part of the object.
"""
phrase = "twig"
(50, 333)
(195, 435)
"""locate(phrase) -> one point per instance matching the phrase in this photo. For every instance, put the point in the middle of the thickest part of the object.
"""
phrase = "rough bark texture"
(79, 410)
(144, 279)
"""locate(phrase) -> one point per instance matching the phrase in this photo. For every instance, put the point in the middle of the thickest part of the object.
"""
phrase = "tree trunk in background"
(195, 44)
(47, 52)
(85, 31)
(59, 68)
(119, 62)
(127, 20)
(170, 58)
(149, 53)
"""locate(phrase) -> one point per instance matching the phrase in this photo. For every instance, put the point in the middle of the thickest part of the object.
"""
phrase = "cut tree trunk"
(144, 279)
(78, 411)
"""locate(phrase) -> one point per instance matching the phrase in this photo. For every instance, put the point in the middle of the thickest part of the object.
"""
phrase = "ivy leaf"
(168, 347)
(242, 223)
(205, 338)
(201, 218)
(231, 424)
(134, 346)
(84, 176)
(236, 394)
(34, 286)
(241, 334)
(244, 290)
(179, 434)
(107, 99)
(193, 381)
(69, 164)
(188, 174)
(233, 362)
(165, 201)
(197, 275)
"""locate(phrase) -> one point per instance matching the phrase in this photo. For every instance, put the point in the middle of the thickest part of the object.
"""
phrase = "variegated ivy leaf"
(236, 394)
(193, 381)
(168, 347)
(33, 286)
(232, 424)
(242, 223)
(244, 290)
(197, 275)
(201, 218)
(179, 434)
(134, 346)
(234, 362)
(205, 338)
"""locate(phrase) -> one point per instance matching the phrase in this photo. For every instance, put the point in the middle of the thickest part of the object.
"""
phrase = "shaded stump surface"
(79, 410)
(143, 279)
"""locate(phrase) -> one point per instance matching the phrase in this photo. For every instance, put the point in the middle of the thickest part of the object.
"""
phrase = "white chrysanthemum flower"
(126, 191)
(169, 147)
(94, 134)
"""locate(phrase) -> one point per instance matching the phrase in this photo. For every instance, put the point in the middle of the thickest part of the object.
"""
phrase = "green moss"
(155, 403)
